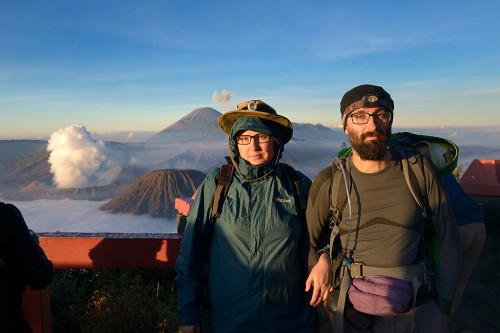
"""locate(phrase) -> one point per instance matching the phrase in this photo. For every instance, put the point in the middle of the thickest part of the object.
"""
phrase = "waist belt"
(407, 273)
(416, 274)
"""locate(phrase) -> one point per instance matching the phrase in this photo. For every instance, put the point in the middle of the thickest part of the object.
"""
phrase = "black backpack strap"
(223, 182)
(298, 189)
(299, 193)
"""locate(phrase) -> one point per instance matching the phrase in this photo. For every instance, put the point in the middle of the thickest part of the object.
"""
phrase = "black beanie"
(356, 95)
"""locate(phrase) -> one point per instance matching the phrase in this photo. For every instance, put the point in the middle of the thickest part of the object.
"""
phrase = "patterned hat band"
(369, 101)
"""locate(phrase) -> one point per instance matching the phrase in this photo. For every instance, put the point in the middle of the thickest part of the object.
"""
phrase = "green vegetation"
(114, 300)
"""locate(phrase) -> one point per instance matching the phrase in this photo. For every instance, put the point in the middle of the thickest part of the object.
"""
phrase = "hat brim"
(227, 120)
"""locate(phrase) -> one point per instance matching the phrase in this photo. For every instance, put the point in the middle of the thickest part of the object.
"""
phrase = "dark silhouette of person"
(22, 263)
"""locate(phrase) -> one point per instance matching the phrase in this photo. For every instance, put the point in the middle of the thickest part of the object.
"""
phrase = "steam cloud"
(76, 159)
(222, 99)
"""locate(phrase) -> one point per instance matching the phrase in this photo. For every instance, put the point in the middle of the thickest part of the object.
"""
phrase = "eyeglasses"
(246, 139)
(362, 118)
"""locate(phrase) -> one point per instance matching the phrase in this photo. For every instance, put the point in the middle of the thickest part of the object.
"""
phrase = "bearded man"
(380, 230)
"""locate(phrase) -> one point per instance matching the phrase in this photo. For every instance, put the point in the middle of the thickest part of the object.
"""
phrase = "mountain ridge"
(199, 124)
(182, 145)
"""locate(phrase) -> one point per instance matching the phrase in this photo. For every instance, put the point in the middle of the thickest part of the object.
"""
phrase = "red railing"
(97, 250)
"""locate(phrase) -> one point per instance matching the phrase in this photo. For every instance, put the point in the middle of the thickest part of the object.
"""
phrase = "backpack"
(413, 170)
(404, 144)
(443, 154)
(226, 176)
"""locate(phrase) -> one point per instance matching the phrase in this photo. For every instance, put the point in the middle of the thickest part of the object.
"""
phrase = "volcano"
(154, 193)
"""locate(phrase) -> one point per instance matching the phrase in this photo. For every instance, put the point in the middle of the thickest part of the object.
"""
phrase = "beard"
(371, 150)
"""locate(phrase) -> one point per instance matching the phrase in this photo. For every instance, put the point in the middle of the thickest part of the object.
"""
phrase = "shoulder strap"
(226, 176)
(223, 182)
(413, 169)
(338, 194)
(300, 197)
(298, 189)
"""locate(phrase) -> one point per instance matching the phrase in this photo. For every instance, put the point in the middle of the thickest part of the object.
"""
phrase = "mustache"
(372, 133)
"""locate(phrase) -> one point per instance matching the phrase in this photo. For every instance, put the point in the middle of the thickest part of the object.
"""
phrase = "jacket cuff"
(326, 250)
(189, 315)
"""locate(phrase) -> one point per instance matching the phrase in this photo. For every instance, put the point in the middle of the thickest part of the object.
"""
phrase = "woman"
(258, 247)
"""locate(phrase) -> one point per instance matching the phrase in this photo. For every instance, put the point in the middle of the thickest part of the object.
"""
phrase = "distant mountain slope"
(12, 149)
(198, 125)
(317, 133)
(201, 125)
(23, 170)
(36, 190)
(155, 193)
(198, 159)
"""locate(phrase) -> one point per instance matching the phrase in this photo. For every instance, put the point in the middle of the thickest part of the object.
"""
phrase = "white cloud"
(75, 157)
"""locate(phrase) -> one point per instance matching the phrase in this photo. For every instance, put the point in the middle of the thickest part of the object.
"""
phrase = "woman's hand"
(320, 279)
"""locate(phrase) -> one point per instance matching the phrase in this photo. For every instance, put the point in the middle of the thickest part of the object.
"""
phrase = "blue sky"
(141, 65)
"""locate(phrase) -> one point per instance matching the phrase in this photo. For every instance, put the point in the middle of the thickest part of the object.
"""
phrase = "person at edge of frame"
(23, 263)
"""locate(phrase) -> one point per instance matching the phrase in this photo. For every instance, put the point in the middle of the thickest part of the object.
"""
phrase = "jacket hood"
(248, 171)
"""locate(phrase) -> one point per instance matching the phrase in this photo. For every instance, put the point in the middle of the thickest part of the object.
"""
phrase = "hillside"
(29, 167)
(11, 149)
(155, 193)
(37, 191)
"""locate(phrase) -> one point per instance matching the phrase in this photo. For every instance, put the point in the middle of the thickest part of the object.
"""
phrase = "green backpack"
(443, 152)
(444, 155)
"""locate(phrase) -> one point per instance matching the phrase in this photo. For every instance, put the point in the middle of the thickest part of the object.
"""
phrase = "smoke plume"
(76, 159)
(222, 99)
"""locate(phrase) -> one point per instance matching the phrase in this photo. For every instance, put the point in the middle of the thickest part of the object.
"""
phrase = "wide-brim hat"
(259, 109)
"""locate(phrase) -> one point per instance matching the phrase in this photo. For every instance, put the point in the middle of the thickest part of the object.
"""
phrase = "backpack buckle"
(356, 270)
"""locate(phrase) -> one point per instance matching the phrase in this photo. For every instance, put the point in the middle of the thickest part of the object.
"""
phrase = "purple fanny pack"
(380, 295)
